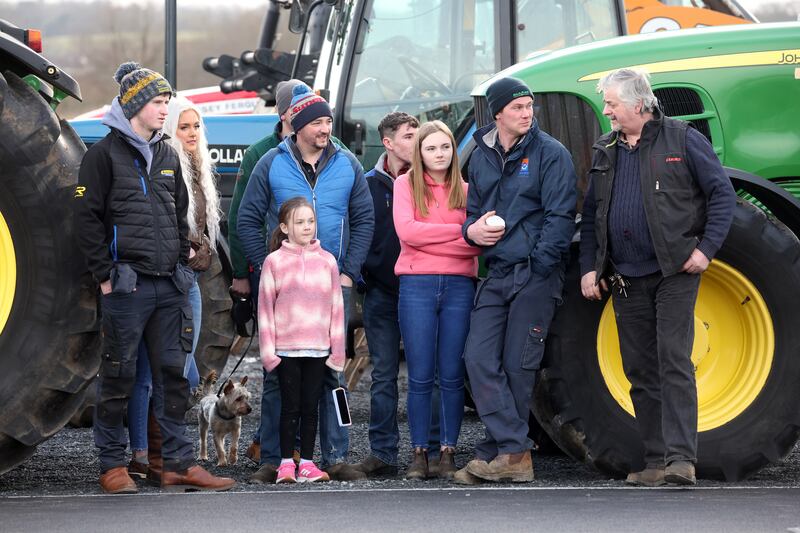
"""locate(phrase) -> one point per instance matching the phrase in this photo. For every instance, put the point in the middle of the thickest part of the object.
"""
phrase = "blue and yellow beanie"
(137, 86)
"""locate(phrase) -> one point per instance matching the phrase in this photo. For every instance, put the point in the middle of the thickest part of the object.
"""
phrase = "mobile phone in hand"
(342, 408)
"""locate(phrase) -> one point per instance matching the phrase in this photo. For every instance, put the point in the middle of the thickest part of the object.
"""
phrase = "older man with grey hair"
(658, 208)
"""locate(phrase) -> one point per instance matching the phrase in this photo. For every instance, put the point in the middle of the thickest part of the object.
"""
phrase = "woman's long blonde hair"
(419, 189)
(202, 165)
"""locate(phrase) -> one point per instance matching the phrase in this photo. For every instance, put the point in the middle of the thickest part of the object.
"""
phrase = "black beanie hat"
(501, 92)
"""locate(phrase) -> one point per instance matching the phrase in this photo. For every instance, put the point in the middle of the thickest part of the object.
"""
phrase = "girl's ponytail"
(276, 239)
(284, 217)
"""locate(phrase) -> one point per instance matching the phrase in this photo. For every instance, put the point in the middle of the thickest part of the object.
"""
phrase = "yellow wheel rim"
(8, 272)
(734, 343)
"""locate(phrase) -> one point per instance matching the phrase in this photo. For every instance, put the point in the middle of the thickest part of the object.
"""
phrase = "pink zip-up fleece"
(432, 244)
(300, 304)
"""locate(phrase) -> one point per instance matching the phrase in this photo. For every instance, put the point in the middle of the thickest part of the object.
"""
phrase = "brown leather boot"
(194, 478)
(463, 477)
(652, 476)
(447, 463)
(680, 473)
(154, 459)
(254, 452)
(117, 481)
(506, 467)
(419, 465)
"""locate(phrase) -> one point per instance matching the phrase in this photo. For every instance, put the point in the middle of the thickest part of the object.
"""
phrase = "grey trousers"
(508, 329)
(656, 332)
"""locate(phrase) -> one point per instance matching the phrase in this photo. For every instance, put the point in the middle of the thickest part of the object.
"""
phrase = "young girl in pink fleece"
(437, 271)
(300, 330)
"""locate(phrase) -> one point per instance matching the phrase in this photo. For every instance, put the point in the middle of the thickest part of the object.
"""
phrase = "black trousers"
(301, 380)
(158, 312)
(656, 333)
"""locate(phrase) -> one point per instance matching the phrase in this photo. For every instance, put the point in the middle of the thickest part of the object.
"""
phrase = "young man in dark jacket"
(657, 210)
(526, 178)
(130, 208)
(308, 164)
(397, 131)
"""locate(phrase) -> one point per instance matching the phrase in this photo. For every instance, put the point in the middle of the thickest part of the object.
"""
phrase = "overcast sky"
(749, 4)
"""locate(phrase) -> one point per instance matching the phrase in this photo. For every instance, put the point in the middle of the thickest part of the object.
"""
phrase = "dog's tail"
(206, 385)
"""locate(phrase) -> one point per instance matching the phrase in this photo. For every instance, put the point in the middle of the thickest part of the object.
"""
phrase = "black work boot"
(419, 465)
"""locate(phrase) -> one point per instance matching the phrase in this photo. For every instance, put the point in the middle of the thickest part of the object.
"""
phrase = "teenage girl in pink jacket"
(437, 271)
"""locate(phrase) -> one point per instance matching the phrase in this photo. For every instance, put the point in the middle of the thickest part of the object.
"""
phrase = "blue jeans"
(334, 439)
(434, 320)
(383, 338)
(143, 386)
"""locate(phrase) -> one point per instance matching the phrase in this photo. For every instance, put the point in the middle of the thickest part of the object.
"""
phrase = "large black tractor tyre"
(49, 342)
(746, 354)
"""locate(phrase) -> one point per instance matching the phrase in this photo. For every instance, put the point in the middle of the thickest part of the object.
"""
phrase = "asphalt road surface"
(437, 509)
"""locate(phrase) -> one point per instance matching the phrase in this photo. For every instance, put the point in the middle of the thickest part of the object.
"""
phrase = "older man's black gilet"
(674, 204)
(140, 207)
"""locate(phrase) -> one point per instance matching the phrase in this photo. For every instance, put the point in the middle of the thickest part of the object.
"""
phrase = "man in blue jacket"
(521, 211)
(307, 164)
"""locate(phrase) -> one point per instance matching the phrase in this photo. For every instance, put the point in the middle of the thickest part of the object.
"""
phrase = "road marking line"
(476, 488)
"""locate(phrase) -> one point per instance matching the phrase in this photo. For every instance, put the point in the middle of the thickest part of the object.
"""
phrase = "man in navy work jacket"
(526, 178)
(308, 164)
(658, 207)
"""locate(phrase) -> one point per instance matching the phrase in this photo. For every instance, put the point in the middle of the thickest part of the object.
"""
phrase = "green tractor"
(49, 342)
(739, 86)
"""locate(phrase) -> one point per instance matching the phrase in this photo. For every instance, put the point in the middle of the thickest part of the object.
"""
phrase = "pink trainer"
(286, 473)
(308, 473)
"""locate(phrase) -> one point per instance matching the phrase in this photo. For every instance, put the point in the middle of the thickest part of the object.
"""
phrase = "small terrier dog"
(223, 415)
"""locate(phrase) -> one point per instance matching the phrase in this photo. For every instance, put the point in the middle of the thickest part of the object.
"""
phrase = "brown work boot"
(117, 481)
(372, 466)
(254, 452)
(652, 476)
(344, 472)
(194, 478)
(419, 465)
(447, 463)
(463, 477)
(506, 467)
(680, 473)
(266, 474)
(154, 439)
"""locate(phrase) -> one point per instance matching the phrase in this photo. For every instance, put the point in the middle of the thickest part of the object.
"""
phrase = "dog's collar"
(219, 414)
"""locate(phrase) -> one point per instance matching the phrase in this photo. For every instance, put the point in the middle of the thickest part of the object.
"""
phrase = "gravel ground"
(66, 464)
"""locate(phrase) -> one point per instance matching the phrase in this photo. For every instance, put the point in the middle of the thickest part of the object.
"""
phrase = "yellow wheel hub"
(8, 272)
(734, 342)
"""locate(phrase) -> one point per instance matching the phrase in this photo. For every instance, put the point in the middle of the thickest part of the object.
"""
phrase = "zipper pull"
(656, 184)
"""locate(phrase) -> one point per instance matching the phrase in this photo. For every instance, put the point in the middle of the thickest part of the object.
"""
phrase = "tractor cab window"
(422, 57)
(555, 24)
